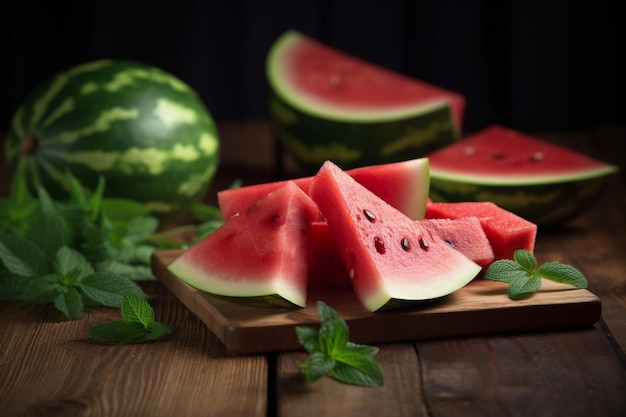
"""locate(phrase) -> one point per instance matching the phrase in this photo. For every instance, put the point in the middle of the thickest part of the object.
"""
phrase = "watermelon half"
(544, 183)
(328, 105)
(259, 255)
(392, 260)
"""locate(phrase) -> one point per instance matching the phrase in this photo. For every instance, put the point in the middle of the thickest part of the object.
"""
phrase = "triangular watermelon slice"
(260, 253)
(391, 259)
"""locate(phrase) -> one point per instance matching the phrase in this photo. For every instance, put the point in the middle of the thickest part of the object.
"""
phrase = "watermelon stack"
(147, 132)
(338, 234)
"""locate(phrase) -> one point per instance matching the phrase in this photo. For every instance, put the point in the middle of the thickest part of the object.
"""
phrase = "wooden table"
(48, 366)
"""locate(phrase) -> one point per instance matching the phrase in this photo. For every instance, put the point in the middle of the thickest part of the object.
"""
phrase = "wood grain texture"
(49, 367)
(482, 307)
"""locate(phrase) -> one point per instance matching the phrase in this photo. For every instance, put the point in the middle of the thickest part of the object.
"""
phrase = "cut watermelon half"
(328, 105)
(392, 260)
(542, 182)
(404, 185)
(260, 254)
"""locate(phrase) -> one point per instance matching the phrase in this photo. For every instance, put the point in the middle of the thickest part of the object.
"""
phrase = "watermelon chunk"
(261, 253)
(465, 234)
(506, 231)
(537, 180)
(403, 184)
(392, 260)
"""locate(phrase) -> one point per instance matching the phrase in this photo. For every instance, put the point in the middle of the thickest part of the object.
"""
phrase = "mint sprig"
(331, 354)
(137, 324)
(524, 276)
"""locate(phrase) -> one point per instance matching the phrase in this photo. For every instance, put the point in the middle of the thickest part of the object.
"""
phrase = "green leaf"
(137, 309)
(70, 261)
(317, 365)
(137, 325)
(70, 303)
(120, 209)
(49, 229)
(524, 277)
(505, 270)
(109, 289)
(330, 352)
(525, 259)
(358, 369)
(524, 287)
(563, 273)
(118, 332)
(23, 257)
(308, 337)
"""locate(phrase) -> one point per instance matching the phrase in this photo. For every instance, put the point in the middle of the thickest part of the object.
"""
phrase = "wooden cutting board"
(482, 307)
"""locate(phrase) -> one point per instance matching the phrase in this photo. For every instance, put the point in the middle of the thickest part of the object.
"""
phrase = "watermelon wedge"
(392, 260)
(505, 231)
(539, 181)
(403, 184)
(260, 254)
(327, 104)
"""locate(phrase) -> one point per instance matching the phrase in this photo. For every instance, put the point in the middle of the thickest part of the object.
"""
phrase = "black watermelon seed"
(423, 243)
(369, 215)
(406, 245)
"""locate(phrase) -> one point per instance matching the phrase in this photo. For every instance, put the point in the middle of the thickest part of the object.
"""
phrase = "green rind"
(146, 131)
(313, 140)
(545, 204)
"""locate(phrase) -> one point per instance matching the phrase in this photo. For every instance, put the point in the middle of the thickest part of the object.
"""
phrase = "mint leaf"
(330, 352)
(70, 303)
(70, 262)
(505, 270)
(118, 332)
(137, 309)
(109, 289)
(563, 273)
(23, 257)
(524, 276)
(137, 324)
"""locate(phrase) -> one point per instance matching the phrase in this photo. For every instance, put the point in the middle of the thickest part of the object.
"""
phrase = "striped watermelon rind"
(146, 131)
(314, 130)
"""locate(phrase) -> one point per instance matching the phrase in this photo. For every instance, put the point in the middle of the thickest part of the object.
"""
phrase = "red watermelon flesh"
(261, 252)
(506, 231)
(391, 258)
(326, 268)
(464, 234)
(403, 184)
(499, 155)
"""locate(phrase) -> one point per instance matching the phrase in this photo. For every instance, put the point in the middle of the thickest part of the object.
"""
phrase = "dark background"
(530, 65)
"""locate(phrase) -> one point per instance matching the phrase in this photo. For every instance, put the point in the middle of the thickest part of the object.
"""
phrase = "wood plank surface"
(48, 366)
(482, 307)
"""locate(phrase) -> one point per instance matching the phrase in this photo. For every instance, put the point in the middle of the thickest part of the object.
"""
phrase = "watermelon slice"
(391, 259)
(403, 184)
(260, 253)
(327, 104)
(542, 182)
(465, 234)
(506, 231)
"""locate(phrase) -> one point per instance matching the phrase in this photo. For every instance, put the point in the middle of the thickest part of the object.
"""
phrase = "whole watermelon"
(146, 131)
